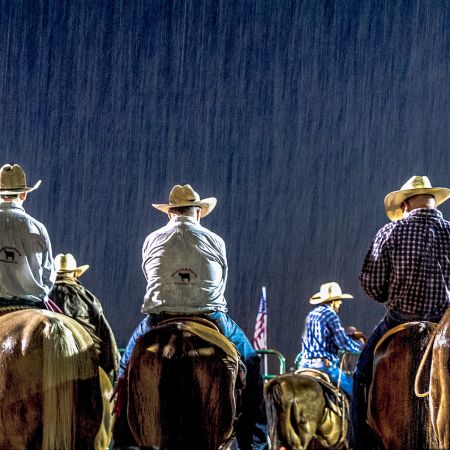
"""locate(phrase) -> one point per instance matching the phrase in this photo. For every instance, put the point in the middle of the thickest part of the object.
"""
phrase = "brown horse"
(49, 386)
(304, 411)
(395, 413)
(182, 387)
(439, 381)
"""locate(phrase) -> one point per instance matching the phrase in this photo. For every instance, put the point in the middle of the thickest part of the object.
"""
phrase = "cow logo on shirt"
(8, 254)
(184, 275)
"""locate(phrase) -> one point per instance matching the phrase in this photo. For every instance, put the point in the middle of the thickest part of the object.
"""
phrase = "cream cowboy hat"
(328, 292)
(13, 180)
(414, 186)
(66, 263)
(186, 196)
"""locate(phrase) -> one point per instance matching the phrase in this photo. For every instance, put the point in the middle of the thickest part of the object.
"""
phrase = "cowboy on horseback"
(324, 336)
(26, 264)
(186, 269)
(408, 269)
(79, 303)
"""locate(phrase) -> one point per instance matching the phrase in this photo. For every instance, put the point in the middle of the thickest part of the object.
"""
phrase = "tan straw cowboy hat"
(67, 263)
(186, 196)
(13, 180)
(328, 292)
(414, 186)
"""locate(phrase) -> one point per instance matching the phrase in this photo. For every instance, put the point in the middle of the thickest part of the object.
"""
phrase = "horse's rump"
(181, 390)
(301, 409)
(400, 419)
(49, 385)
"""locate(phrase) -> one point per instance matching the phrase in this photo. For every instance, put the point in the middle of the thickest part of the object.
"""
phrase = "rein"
(421, 366)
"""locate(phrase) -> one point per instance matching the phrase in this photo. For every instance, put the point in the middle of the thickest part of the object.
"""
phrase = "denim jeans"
(251, 429)
(333, 372)
(362, 378)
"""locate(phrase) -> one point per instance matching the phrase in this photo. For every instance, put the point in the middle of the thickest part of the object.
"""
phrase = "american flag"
(260, 336)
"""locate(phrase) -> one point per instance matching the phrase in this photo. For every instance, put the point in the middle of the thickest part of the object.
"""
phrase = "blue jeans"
(251, 429)
(333, 372)
(362, 378)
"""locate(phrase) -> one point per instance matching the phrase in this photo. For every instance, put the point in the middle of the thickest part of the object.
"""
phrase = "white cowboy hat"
(414, 186)
(67, 263)
(328, 292)
(186, 196)
(13, 180)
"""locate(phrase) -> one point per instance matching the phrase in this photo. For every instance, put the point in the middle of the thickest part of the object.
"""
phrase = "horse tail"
(273, 398)
(423, 361)
(63, 364)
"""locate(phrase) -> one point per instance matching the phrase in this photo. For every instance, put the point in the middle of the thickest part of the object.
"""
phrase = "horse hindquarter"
(181, 392)
(48, 380)
(295, 408)
(400, 419)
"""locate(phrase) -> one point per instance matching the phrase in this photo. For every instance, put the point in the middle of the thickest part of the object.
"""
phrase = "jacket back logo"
(184, 275)
(8, 255)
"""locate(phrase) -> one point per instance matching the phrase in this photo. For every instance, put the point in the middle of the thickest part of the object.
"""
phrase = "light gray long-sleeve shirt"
(26, 262)
(186, 269)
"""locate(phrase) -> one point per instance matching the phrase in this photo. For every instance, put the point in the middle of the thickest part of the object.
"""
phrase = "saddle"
(7, 309)
(204, 329)
(316, 373)
(397, 329)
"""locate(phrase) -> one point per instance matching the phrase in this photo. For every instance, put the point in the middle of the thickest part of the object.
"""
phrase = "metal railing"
(281, 360)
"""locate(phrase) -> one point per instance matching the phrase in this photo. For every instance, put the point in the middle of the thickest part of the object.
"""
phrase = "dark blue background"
(299, 116)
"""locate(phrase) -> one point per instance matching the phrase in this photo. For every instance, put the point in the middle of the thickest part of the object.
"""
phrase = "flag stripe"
(260, 335)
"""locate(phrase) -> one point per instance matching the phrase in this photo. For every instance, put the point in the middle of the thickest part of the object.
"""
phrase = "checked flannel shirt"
(408, 265)
(324, 336)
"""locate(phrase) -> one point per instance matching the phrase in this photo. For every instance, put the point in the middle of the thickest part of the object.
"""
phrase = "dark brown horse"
(304, 411)
(439, 381)
(182, 387)
(49, 386)
(400, 419)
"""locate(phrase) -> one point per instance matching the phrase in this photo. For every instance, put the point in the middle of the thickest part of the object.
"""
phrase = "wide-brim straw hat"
(414, 186)
(66, 263)
(13, 180)
(186, 196)
(328, 293)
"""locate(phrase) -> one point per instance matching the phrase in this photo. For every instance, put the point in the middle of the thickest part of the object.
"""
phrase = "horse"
(439, 380)
(303, 410)
(183, 380)
(50, 395)
(104, 434)
(398, 417)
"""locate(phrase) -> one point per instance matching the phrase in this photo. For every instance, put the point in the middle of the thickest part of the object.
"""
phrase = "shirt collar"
(426, 212)
(182, 219)
(325, 305)
(11, 205)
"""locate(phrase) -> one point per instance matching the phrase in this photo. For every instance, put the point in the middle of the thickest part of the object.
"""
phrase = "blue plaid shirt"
(408, 265)
(324, 336)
